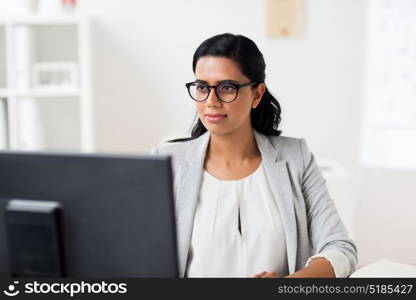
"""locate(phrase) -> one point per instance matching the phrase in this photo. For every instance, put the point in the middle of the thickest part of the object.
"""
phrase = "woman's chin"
(217, 130)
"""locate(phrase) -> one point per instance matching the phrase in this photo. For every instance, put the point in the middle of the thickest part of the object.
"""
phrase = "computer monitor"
(86, 215)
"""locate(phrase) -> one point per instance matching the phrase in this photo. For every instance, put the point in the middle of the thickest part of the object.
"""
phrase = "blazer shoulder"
(284, 140)
(171, 148)
(292, 149)
(287, 144)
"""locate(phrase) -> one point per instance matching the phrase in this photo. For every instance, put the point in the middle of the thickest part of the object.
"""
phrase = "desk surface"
(385, 268)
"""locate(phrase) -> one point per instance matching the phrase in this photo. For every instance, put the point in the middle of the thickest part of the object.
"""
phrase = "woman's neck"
(233, 148)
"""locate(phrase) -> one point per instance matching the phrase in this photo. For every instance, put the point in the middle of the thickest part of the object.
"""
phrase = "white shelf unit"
(47, 118)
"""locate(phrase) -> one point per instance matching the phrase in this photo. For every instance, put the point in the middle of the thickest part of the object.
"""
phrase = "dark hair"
(265, 118)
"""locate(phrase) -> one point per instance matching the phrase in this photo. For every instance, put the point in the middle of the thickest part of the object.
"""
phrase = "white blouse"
(238, 231)
(218, 249)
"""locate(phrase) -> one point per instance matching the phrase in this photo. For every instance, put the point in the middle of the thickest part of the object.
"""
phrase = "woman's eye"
(201, 87)
(227, 88)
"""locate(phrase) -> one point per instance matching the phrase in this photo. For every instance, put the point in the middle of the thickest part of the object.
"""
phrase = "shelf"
(47, 117)
(48, 93)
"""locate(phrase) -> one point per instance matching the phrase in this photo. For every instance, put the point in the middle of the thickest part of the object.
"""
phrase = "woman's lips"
(215, 118)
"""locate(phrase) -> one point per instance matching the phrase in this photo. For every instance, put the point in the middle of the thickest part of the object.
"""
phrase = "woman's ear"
(258, 94)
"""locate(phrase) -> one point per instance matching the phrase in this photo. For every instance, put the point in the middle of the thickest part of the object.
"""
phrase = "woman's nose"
(212, 98)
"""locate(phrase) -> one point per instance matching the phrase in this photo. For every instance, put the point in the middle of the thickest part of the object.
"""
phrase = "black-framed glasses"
(225, 91)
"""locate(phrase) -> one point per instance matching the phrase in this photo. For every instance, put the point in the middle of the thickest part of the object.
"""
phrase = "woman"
(249, 202)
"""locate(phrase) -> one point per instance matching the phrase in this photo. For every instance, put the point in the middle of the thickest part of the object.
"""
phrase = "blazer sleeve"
(325, 227)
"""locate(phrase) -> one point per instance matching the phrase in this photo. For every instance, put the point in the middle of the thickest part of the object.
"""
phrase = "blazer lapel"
(279, 182)
(189, 181)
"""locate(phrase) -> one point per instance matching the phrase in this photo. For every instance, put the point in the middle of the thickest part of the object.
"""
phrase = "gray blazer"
(311, 221)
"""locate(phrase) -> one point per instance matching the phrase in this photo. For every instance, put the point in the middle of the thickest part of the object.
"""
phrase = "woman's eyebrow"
(221, 81)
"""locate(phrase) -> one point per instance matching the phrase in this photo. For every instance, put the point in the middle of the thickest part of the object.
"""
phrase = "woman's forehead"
(214, 69)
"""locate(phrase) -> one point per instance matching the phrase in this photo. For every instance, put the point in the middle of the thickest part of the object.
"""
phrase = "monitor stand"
(34, 238)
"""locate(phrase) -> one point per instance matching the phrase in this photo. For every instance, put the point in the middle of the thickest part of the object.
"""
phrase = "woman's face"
(212, 70)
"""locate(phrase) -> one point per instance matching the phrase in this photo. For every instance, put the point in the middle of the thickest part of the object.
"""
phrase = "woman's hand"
(266, 274)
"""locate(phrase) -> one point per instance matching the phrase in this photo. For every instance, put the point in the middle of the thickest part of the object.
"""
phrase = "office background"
(140, 58)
